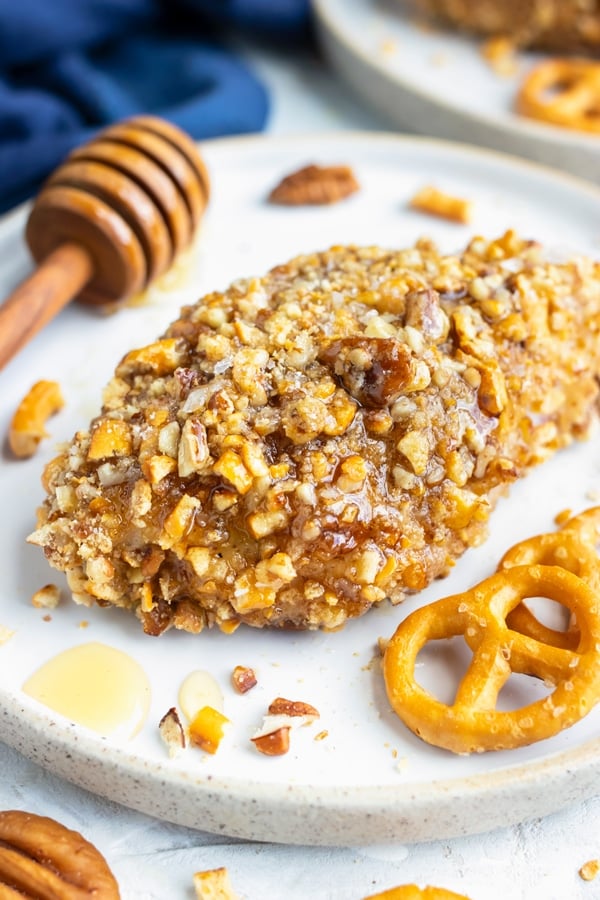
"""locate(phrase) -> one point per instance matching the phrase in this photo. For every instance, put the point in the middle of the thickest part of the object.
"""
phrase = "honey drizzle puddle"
(94, 685)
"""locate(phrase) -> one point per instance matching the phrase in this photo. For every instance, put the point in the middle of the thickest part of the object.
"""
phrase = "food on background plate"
(564, 92)
(306, 444)
(567, 661)
(315, 186)
(39, 857)
(563, 25)
(27, 427)
(434, 202)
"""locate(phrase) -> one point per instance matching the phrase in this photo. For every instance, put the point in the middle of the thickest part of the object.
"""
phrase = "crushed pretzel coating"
(27, 427)
(433, 202)
(590, 869)
(47, 597)
(315, 185)
(214, 884)
(562, 25)
(243, 679)
(172, 732)
(362, 410)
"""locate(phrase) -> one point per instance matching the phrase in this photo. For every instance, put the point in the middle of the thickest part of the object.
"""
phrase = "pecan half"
(39, 858)
(315, 185)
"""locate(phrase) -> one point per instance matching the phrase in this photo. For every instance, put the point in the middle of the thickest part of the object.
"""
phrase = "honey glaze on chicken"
(306, 444)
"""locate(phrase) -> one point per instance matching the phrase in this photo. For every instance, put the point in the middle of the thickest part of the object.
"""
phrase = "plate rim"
(375, 801)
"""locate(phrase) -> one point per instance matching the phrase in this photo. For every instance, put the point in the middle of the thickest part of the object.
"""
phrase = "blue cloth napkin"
(68, 67)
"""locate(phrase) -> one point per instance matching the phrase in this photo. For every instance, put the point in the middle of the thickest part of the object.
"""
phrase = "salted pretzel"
(472, 723)
(573, 548)
(43, 860)
(564, 92)
(412, 892)
(586, 525)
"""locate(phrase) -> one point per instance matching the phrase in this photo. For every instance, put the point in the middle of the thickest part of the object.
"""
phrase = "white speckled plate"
(437, 82)
(369, 779)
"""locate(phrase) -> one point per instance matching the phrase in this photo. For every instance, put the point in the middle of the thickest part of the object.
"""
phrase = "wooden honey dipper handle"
(40, 297)
(111, 219)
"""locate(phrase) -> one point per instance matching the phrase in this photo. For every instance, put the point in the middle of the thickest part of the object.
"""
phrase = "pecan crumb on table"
(306, 444)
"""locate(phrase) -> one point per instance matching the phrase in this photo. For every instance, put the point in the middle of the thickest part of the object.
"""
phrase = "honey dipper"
(110, 220)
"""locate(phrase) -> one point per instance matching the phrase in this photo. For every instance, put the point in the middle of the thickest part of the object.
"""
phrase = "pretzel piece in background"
(563, 92)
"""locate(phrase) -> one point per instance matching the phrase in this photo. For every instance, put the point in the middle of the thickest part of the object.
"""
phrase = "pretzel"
(43, 860)
(412, 892)
(586, 525)
(573, 548)
(472, 722)
(565, 92)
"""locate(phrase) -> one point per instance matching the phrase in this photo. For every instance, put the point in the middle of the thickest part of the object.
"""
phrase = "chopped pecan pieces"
(315, 185)
(274, 743)
(243, 679)
(282, 707)
(171, 731)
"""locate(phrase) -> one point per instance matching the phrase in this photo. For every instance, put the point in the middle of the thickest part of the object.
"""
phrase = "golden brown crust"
(42, 859)
(560, 25)
(306, 444)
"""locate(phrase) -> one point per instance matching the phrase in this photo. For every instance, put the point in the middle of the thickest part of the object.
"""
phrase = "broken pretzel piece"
(39, 857)
(207, 729)
(315, 185)
(27, 428)
(433, 202)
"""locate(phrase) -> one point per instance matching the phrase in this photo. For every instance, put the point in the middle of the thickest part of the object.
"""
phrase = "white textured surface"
(537, 861)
